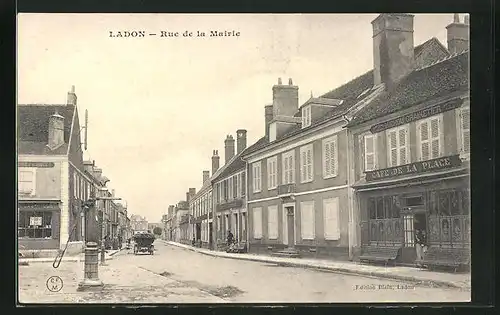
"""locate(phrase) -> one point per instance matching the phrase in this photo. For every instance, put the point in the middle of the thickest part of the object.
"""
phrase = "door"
(408, 252)
(290, 226)
(285, 226)
(210, 237)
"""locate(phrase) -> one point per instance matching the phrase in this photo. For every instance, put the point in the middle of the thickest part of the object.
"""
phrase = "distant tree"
(157, 230)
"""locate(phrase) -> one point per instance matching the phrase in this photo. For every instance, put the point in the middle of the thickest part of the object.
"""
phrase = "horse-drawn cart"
(144, 243)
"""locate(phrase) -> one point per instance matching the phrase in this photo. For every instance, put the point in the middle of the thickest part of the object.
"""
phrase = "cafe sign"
(421, 114)
(415, 168)
(36, 164)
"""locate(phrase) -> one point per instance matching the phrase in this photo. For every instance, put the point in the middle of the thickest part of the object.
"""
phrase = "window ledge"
(272, 188)
(465, 156)
(257, 191)
(307, 181)
(332, 238)
(273, 238)
(309, 238)
(330, 176)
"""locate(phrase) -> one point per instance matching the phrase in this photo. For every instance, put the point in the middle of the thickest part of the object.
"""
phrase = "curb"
(379, 275)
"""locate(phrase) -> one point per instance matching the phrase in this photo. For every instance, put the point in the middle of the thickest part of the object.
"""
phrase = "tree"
(157, 230)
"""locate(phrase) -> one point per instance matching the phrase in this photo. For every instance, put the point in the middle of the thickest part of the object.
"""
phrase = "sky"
(158, 106)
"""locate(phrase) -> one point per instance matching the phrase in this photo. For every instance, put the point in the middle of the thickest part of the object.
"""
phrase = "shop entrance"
(414, 223)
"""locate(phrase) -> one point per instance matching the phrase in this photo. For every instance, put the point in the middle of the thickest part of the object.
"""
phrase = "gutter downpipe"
(350, 198)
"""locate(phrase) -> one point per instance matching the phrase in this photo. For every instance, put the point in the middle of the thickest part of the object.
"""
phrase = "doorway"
(290, 226)
(210, 234)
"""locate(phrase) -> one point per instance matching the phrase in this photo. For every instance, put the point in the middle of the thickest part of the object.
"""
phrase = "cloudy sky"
(159, 106)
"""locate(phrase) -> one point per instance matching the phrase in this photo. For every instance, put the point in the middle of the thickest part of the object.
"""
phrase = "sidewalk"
(409, 274)
(78, 258)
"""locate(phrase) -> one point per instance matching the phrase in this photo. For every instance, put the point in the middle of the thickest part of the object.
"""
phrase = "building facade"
(138, 223)
(411, 153)
(229, 186)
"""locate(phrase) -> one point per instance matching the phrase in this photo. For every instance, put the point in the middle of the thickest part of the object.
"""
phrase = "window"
(331, 218)
(33, 224)
(235, 186)
(257, 223)
(330, 157)
(26, 180)
(272, 226)
(306, 163)
(370, 150)
(238, 189)
(429, 134)
(243, 184)
(230, 183)
(306, 116)
(463, 124)
(397, 144)
(272, 172)
(307, 220)
(256, 173)
(288, 167)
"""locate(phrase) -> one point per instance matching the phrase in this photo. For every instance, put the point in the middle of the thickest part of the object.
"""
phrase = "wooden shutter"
(435, 136)
(334, 156)
(307, 220)
(425, 146)
(331, 218)
(303, 167)
(327, 159)
(392, 144)
(369, 152)
(243, 184)
(257, 222)
(403, 146)
(291, 168)
(465, 129)
(272, 227)
(285, 168)
(309, 164)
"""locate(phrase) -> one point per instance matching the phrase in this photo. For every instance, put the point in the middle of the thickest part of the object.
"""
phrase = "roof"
(433, 81)
(33, 127)
(351, 93)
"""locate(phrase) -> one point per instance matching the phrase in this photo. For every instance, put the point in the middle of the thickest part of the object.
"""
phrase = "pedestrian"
(420, 244)
(120, 240)
(230, 238)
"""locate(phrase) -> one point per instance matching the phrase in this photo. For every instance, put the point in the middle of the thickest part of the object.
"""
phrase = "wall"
(48, 179)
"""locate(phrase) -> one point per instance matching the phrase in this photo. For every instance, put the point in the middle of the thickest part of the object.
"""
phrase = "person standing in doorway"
(420, 244)
(230, 238)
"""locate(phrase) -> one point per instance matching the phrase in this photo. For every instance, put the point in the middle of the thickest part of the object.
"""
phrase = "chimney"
(72, 96)
(192, 193)
(285, 99)
(241, 140)
(56, 131)
(206, 176)
(229, 146)
(97, 172)
(187, 197)
(393, 50)
(215, 161)
(268, 117)
(458, 34)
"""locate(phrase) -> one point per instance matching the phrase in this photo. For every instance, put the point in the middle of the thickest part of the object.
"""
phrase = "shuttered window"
(464, 134)
(257, 223)
(331, 218)
(397, 145)
(272, 222)
(272, 172)
(370, 150)
(256, 173)
(26, 180)
(330, 157)
(429, 134)
(306, 116)
(307, 220)
(306, 163)
(288, 167)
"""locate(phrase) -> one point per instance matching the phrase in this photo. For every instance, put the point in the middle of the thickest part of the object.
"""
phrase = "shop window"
(387, 207)
(465, 201)
(444, 205)
(454, 203)
(433, 203)
(372, 208)
(380, 207)
(395, 206)
(414, 201)
(35, 224)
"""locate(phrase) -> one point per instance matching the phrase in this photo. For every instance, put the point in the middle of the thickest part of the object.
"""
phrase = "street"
(176, 275)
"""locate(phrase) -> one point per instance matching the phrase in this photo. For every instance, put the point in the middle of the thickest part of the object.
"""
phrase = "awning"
(363, 185)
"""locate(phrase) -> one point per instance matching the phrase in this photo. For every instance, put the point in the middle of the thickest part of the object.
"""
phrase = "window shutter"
(272, 222)
(369, 153)
(309, 164)
(291, 168)
(333, 155)
(307, 220)
(424, 141)
(465, 126)
(327, 159)
(393, 150)
(331, 218)
(435, 145)
(303, 166)
(257, 222)
(403, 150)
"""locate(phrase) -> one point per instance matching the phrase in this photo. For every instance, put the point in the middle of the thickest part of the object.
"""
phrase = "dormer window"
(306, 116)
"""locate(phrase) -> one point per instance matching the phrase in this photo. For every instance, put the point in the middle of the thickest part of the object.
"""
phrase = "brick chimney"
(241, 140)
(285, 99)
(97, 172)
(229, 146)
(187, 196)
(393, 50)
(72, 96)
(206, 176)
(268, 117)
(56, 131)
(215, 161)
(192, 193)
(458, 34)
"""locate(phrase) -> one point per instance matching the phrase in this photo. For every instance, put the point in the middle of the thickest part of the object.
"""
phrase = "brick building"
(299, 194)
(411, 146)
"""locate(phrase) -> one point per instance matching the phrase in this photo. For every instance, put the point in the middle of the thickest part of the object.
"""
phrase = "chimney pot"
(229, 148)
(241, 140)
(458, 35)
(279, 81)
(215, 162)
(268, 117)
(290, 81)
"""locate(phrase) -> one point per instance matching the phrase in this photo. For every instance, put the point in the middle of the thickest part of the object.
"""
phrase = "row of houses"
(355, 172)
(55, 182)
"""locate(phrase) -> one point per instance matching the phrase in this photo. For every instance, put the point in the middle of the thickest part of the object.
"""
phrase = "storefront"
(38, 225)
(431, 197)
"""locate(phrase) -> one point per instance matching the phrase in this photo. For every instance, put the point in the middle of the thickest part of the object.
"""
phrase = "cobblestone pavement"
(176, 275)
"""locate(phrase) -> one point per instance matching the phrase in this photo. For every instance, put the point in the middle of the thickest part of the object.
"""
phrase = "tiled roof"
(421, 85)
(33, 127)
(40, 148)
(433, 41)
(351, 93)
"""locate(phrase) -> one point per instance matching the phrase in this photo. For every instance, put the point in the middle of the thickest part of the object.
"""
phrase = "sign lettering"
(38, 206)
(421, 114)
(36, 164)
(35, 221)
(415, 168)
